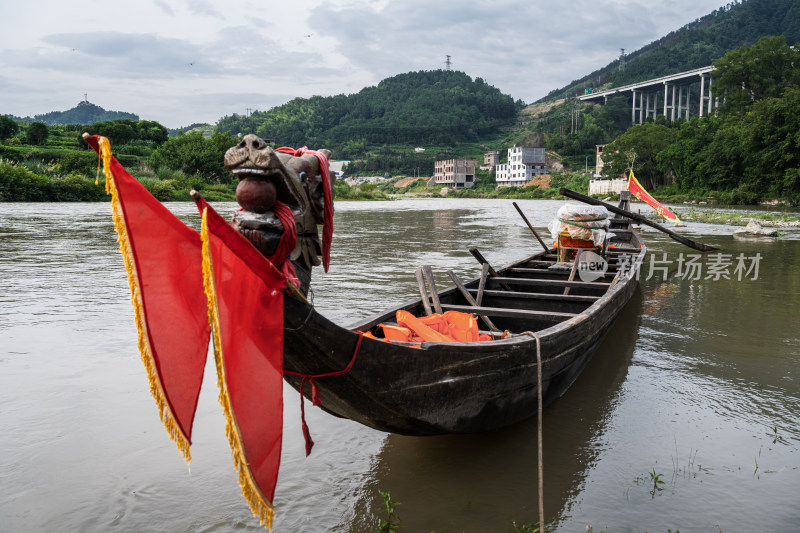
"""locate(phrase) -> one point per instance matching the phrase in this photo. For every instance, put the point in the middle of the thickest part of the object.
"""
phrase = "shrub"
(80, 162)
(194, 154)
(37, 133)
(162, 190)
(74, 187)
(18, 184)
(739, 196)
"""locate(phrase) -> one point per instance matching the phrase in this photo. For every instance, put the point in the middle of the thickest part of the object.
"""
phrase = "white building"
(523, 164)
(337, 167)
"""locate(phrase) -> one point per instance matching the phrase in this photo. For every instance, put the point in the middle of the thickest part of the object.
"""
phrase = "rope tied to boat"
(540, 409)
(573, 223)
(316, 398)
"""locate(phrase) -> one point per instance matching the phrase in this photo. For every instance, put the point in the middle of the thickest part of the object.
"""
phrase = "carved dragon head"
(266, 176)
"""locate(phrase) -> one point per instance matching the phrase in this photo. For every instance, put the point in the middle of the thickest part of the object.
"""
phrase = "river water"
(697, 386)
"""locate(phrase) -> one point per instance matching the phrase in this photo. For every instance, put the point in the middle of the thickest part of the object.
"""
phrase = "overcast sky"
(186, 61)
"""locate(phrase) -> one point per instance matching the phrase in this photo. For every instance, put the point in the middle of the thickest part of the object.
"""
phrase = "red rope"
(316, 399)
(286, 244)
(327, 224)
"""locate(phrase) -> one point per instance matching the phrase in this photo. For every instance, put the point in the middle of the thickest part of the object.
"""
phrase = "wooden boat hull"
(454, 387)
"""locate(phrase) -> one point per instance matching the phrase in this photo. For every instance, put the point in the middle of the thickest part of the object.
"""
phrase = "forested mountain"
(425, 107)
(697, 44)
(83, 113)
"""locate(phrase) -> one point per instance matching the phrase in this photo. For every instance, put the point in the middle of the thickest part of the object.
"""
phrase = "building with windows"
(598, 160)
(523, 164)
(455, 173)
(490, 159)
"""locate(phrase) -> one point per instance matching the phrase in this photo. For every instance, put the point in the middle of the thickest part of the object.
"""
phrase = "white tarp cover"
(592, 222)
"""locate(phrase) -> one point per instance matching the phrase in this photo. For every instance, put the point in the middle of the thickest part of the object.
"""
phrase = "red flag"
(245, 298)
(163, 260)
(639, 192)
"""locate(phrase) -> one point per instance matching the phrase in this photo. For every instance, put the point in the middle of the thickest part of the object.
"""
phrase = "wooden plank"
(427, 272)
(620, 250)
(539, 271)
(469, 299)
(423, 292)
(573, 270)
(536, 262)
(553, 283)
(539, 296)
(511, 313)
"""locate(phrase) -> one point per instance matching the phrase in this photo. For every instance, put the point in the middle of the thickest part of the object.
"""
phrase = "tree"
(37, 133)
(748, 74)
(641, 144)
(194, 154)
(771, 145)
(8, 127)
(126, 130)
(153, 131)
(684, 158)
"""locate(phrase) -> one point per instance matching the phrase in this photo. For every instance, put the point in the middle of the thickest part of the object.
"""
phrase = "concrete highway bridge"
(669, 96)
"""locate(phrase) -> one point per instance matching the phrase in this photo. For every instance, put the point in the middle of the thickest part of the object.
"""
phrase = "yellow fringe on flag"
(258, 503)
(145, 351)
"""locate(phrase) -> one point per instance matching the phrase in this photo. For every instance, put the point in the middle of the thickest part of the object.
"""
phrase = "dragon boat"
(244, 284)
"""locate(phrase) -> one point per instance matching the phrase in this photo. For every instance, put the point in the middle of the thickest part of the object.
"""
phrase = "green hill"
(83, 113)
(696, 44)
(426, 107)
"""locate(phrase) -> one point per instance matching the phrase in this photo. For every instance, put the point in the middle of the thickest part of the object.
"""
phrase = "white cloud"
(205, 8)
(172, 61)
(163, 6)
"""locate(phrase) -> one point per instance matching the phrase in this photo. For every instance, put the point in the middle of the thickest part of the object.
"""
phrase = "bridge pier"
(677, 103)
(641, 107)
(706, 100)
(684, 105)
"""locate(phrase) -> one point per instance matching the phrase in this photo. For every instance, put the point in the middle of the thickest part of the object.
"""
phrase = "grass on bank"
(716, 216)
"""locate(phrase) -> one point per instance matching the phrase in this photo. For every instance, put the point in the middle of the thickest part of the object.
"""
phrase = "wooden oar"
(639, 218)
(546, 249)
(482, 260)
(482, 284)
